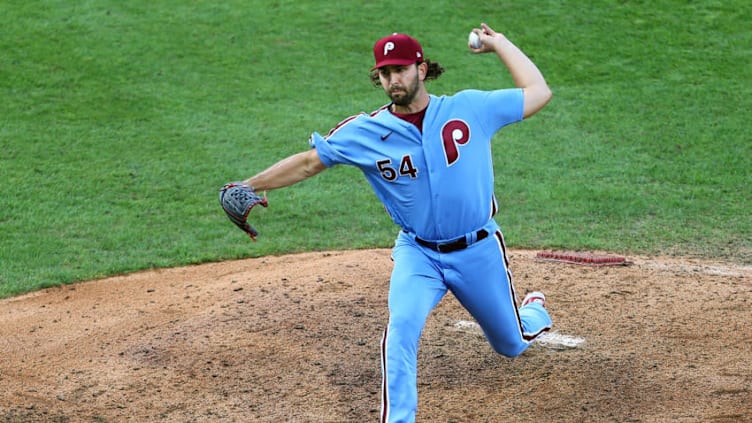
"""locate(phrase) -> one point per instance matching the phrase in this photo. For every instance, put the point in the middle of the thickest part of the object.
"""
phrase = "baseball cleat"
(534, 297)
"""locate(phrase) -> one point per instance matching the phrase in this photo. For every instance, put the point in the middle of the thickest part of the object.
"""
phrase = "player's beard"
(404, 96)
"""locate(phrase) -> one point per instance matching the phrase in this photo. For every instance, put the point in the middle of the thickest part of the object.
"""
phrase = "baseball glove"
(237, 200)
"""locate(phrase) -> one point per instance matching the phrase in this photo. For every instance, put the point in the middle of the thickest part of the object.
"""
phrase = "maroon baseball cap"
(397, 49)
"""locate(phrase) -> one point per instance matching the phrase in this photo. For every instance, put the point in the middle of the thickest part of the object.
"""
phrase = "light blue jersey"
(454, 149)
(438, 186)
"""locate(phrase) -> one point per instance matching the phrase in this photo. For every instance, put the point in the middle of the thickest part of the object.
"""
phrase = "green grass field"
(121, 120)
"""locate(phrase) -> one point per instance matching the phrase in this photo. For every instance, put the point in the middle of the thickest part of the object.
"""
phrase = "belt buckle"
(448, 247)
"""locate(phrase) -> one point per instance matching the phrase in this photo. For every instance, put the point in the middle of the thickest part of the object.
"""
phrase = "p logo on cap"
(397, 49)
(389, 46)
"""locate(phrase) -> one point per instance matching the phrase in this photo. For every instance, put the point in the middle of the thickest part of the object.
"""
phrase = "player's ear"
(422, 70)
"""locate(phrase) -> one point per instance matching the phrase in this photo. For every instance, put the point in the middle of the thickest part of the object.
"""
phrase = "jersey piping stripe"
(494, 206)
(352, 118)
(341, 124)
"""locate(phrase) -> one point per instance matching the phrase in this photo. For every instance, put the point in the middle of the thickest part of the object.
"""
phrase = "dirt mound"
(296, 338)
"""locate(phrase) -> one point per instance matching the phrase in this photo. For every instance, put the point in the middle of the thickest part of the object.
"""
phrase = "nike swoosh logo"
(385, 136)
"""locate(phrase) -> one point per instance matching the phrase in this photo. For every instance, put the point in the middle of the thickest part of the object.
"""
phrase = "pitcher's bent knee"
(510, 350)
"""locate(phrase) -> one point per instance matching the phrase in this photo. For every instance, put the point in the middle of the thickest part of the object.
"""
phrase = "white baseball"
(474, 40)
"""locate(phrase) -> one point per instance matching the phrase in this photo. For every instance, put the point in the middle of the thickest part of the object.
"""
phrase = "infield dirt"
(296, 339)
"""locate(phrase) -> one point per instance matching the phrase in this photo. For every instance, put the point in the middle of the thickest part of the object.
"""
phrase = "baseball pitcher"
(428, 159)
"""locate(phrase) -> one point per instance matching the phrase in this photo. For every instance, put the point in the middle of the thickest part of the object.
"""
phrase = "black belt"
(448, 247)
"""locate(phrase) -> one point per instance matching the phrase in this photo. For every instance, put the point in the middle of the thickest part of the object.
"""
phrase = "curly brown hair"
(434, 71)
